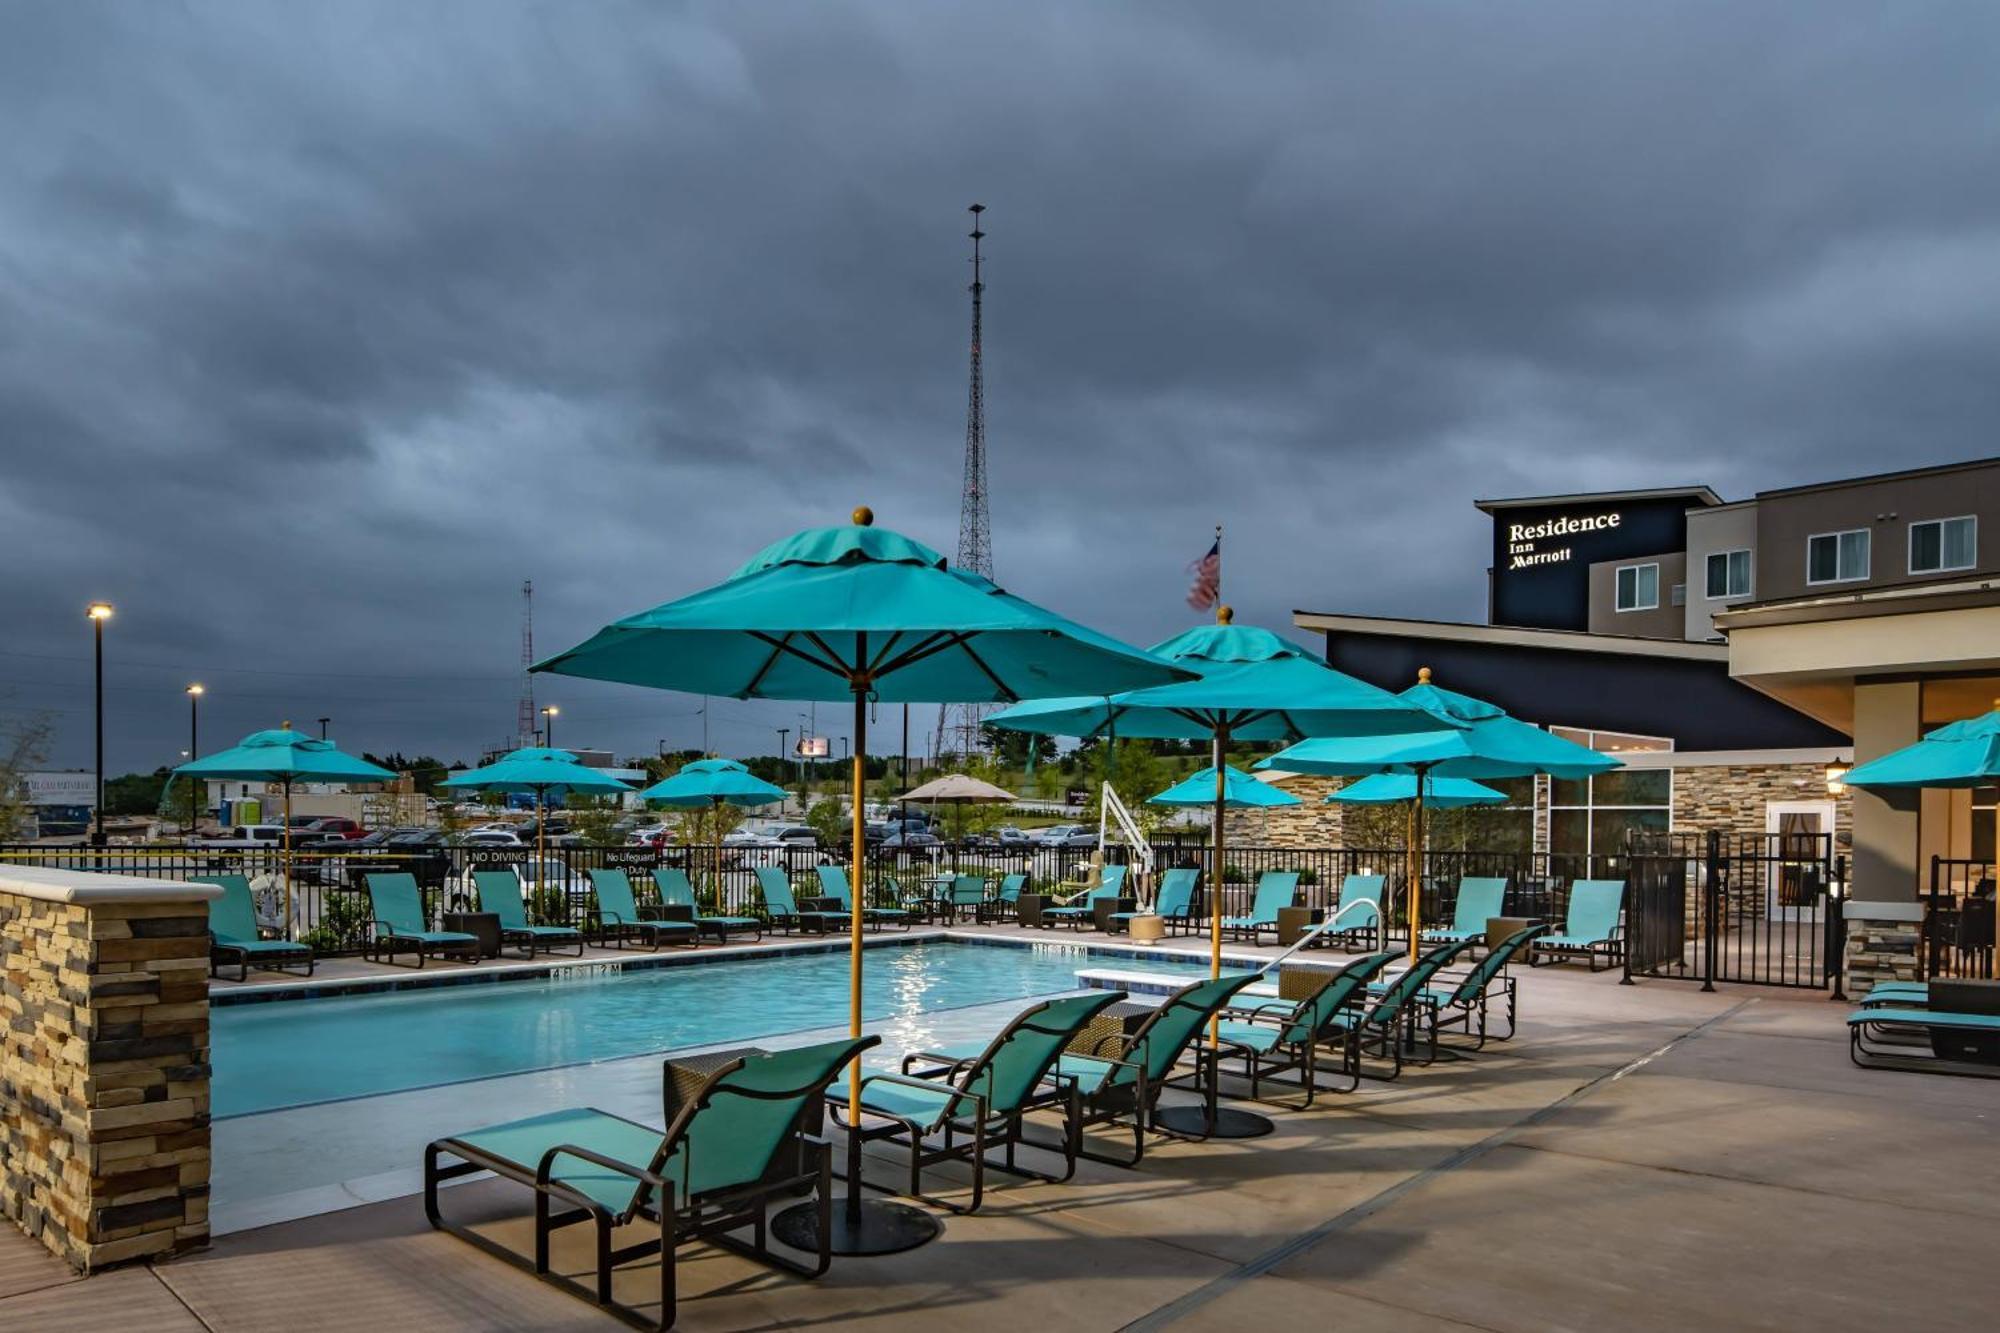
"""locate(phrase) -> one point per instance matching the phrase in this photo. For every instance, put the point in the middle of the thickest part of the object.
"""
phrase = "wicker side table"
(1112, 1022)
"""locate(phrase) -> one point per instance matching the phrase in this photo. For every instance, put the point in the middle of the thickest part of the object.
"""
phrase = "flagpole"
(1218, 564)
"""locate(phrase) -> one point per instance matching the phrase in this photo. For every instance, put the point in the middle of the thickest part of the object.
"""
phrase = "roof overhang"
(1697, 496)
(1810, 653)
(1556, 640)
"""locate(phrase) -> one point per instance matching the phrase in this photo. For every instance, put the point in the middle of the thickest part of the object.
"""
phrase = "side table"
(482, 926)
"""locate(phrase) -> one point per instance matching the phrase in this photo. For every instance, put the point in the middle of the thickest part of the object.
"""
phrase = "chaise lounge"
(618, 918)
(232, 933)
(677, 892)
(500, 893)
(1593, 929)
(399, 920)
(1480, 898)
(1275, 889)
(784, 912)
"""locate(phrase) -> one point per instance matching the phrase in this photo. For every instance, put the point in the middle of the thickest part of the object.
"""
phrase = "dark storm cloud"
(325, 326)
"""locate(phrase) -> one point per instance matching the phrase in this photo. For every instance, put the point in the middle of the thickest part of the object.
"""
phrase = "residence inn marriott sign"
(1543, 548)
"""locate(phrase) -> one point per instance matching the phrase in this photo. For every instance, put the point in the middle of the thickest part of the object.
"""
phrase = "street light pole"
(322, 727)
(194, 693)
(99, 612)
(783, 733)
(549, 724)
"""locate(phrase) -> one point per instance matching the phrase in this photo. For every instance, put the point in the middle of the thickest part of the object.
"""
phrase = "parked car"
(925, 844)
(490, 838)
(244, 835)
(1006, 838)
(337, 827)
(1067, 835)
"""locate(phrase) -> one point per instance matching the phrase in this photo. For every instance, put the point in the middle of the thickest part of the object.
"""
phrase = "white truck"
(244, 836)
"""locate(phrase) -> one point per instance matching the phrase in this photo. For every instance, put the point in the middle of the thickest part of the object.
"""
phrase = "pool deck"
(1644, 1157)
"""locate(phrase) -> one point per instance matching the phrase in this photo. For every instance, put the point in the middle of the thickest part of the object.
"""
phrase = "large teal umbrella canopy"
(1959, 754)
(1439, 793)
(1252, 684)
(287, 756)
(866, 614)
(831, 611)
(1487, 743)
(536, 769)
(1240, 791)
(708, 782)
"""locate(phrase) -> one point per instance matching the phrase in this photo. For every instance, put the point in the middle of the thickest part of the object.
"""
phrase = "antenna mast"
(524, 722)
(961, 722)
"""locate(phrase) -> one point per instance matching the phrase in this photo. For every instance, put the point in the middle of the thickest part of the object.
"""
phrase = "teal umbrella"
(541, 770)
(1252, 685)
(1486, 744)
(1439, 793)
(865, 614)
(1240, 791)
(284, 756)
(1959, 754)
(710, 784)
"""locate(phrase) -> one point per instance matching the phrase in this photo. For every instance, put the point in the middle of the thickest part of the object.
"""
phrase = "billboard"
(814, 747)
(60, 788)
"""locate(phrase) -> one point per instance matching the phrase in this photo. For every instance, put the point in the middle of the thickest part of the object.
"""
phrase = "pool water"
(296, 1052)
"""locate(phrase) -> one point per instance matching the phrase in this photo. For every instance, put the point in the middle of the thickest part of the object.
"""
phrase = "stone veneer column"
(104, 1070)
(1882, 943)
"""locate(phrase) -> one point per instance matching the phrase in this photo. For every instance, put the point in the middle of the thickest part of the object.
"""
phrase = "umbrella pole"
(870, 1226)
(1416, 854)
(288, 858)
(542, 845)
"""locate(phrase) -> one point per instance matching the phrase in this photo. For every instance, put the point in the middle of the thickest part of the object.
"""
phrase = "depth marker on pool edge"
(1175, 1310)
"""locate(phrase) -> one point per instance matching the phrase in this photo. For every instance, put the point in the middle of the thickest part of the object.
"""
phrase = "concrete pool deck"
(1641, 1157)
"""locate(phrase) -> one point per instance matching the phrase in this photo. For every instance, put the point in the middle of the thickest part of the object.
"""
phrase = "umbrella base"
(1230, 1123)
(873, 1226)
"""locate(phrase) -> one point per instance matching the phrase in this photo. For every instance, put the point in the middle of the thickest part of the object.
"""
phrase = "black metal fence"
(328, 902)
(1957, 939)
(1752, 908)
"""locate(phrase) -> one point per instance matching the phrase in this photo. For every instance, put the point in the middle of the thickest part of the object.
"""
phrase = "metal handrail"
(1307, 938)
(1142, 847)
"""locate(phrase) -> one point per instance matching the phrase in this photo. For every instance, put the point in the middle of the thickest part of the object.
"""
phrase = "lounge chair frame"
(1078, 914)
(712, 1216)
(615, 928)
(1256, 923)
(1874, 1036)
(527, 937)
(1556, 948)
(1298, 1051)
(722, 927)
(385, 936)
(787, 916)
(283, 955)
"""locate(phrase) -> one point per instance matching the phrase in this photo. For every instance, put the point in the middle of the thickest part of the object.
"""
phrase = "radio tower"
(524, 724)
(961, 722)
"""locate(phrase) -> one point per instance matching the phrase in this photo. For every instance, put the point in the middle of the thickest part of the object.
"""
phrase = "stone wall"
(1883, 940)
(104, 1070)
(1313, 824)
(1732, 797)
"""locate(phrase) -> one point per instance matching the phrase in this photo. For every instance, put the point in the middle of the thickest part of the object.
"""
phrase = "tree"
(24, 743)
(828, 819)
(1010, 749)
(595, 819)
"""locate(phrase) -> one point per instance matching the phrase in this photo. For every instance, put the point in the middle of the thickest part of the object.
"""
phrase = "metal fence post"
(1837, 944)
(1711, 902)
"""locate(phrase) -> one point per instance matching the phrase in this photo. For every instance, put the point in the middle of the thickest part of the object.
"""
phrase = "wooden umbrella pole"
(1218, 747)
(542, 853)
(288, 857)
(858, 850)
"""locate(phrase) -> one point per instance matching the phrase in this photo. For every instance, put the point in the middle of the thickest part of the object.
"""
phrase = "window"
(1837, 557)
(1728, 574)
(1943, 543)
(1594, 817)
(1638, 587)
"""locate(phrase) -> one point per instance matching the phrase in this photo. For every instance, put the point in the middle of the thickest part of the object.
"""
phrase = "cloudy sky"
(322, 327)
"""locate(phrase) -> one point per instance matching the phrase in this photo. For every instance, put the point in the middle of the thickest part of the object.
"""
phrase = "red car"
(338, 828)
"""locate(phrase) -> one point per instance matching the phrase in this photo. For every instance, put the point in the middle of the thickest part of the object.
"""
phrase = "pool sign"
(1525, 541)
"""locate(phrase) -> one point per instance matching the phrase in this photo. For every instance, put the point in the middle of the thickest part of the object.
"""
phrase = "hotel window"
(1594, 816)
(1638, 587)
(1837, 557)
(1943, 543)
(1728, 574)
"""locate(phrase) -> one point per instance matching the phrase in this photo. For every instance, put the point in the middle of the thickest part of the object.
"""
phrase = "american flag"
(1207, 585)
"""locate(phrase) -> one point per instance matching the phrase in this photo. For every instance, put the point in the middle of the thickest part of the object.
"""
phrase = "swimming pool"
(294, 1053)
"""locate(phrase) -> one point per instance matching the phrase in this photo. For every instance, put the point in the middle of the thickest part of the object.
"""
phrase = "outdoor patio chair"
(784, 913)
(1464, 1002)
(676, 891)
(1593, 929)
(1396, 1009)
(232, 933)
(1479, 899)
(500, 893)
(1964, 1044)
(1280, 1036)
(964, 1109)
(1007, 902)
(1897, 994)
(713, 1172)
(1174, 904)
(1275, 889)
(833, 884)
(399, 919)
(618, 920)
(1079, 914)
(964, 896)
(1362, 927)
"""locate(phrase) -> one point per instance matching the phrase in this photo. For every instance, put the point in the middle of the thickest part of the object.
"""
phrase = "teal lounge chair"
(676, 891)
(1593, 929)
(399, 919)
(784, 913)
(1362, 927)
(964, 897)
(1174, 905)
(1463, 1002)
(724, 1158)
(1387, 1027)
(1007, 902)
(1282, 1036)
(618, 919)
(1275, 889)
(833, 884)
(1897, 995)
(1479, 898)
(966, 1108)
(1963, 1044)
(1080, 913)
(232, 933)
(500, 893)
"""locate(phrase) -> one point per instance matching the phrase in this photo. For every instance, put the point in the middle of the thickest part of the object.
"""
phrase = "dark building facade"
(1544, 547)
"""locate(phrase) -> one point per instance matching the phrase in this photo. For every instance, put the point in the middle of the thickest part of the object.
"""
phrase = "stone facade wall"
(1312, 825)
(1881, 949)
(1732, 797)
(104, 1075)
